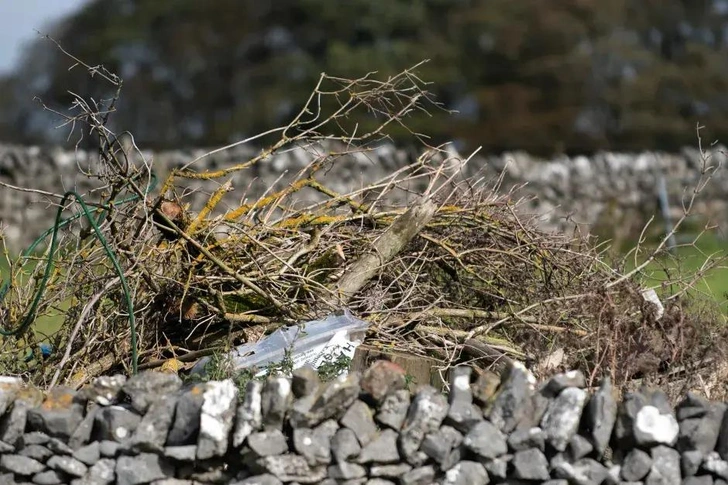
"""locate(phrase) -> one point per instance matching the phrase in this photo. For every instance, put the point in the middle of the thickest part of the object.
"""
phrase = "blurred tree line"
(543, 76)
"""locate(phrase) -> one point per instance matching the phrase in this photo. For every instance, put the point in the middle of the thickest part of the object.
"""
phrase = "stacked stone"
(358, 430)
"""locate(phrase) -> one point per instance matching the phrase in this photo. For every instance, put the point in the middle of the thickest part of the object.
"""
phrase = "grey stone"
(693, 406)
(498, 467)
(266, 479)
(393, 410)
(579, 447)
(88, 454)
(438, 444)
(151, 433)
(149, 386)
(275, 400)
(34, 438)
(653, 427)
(181, 453)
(582, 472)
(562, 418)
(108, 449)
(186, 425)
(466, 473)
(383, 449)
(59, 415)
(21, 465)
(102, 472)
(67, 465)
(379, 481)
(12, 424)
(390, 471)
(555, 481)
(613, 475)
(665, 468)
(700, 480)
(559, 382)
(425, 415)
(6, 448)
(143, 468)
(383, 378)
(423, 475)
(315, 444)
(486, 441)
(512, 401)
(292, 468)
(690, 462)
(36, 452)
(715, 465)
(523, 439)
(463, 414)
(530, 465)
(49, 477)
(268, 443)
(216, 418)
(58, 447)
(105, 390)
(331, 401)
(600, 415)
(624, 438)
(359, 419)
(82, 434)
(344, 445)
(305, 381)
(115, 423)
(249, 415)
(636, 465)
(9, 387)
(347, 471)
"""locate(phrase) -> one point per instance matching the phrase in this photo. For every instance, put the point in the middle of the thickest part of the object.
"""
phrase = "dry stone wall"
(607, 188)
(358, 429)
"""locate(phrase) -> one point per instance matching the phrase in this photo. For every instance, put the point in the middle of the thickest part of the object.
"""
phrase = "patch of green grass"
(686, 265)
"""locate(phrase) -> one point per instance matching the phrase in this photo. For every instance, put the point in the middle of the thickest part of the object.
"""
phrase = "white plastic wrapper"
(651, 296)
(311, 343)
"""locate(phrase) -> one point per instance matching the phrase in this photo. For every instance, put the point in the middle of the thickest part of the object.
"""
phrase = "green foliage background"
(541, 76)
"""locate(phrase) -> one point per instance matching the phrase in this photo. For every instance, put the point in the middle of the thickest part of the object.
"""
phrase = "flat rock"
(390, 471)
(59, 415)
(418, 476)
(292, 468)
(149, 386)
(36, 452)
(582, 472)
(143, 468)
(216, 418)
(67, 464)
(49, 477)
(151, 433)
(276, 398)
(331, 402)
(439, 444)
(21, 465)
(466, 473)
(266, 479)
(268, 443)
(181, 453)
(89, 454)
(102, 472)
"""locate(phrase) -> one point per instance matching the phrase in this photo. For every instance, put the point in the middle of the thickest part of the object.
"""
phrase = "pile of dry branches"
(456, 274)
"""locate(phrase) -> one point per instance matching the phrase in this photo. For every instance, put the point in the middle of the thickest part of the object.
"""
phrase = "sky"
(19, 20)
